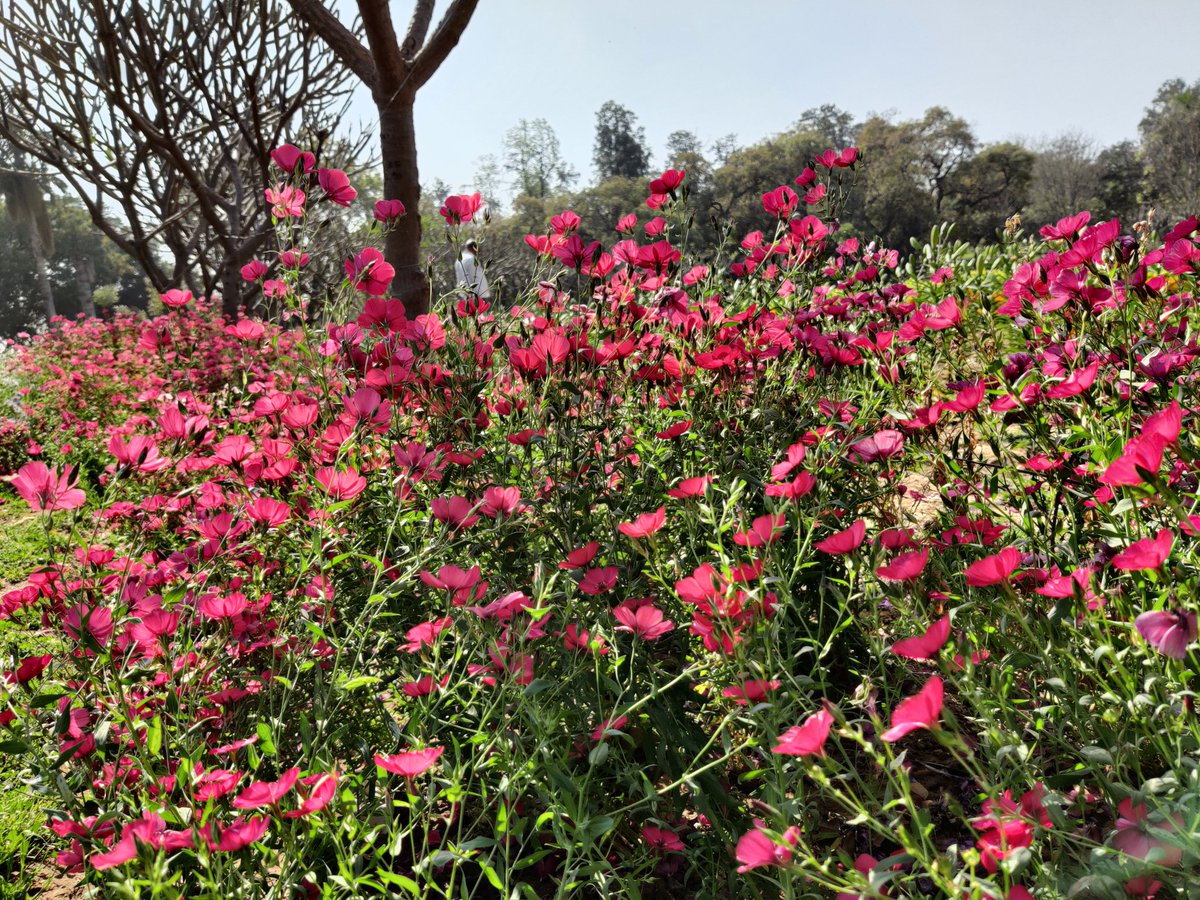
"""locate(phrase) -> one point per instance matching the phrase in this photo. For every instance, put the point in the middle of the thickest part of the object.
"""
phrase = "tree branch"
(339, 38)
(390, 67)
(418, 28)
(449, 30)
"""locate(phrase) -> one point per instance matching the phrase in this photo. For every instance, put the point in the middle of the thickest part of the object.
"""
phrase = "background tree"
(76, 238)
(1120, 183)
(162, 121)
(1170, 133)
(989, 187)
(620, 150)
(394, 70)
(1066, 179)
(533, 159)
(830, 120)
(25, 205)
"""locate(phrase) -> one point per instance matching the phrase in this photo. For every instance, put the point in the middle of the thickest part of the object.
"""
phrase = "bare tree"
(161, 114)
(394, 70)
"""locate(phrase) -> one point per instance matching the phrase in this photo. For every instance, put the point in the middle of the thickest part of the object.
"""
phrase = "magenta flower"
(645, 622)
(846, 541)
(807, 739)
(369, 272)
(927, 645)
(905, 567)
(340, 485)
(460, 208)
(45, 490)
(919, 711)
(290, 159)
(756, 848)
(336, 186)
(1168, 632)
(175, 298)
(410, 763)
(995, 569)
(644, 525)
(1148, 553)
(388, 211)
(266, 793)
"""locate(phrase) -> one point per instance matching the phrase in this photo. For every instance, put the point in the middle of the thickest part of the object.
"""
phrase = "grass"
(21, 809)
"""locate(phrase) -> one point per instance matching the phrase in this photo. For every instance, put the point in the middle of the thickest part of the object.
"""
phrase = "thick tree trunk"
(43, 273)
(85, 275)
(398, 143)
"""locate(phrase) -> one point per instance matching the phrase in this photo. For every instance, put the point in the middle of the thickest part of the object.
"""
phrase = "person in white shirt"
(468, 272)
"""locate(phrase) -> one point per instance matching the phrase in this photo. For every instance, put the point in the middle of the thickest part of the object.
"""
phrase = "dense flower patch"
(788, 573)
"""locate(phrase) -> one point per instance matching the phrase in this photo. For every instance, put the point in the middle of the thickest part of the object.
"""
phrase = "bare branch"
(449, 30)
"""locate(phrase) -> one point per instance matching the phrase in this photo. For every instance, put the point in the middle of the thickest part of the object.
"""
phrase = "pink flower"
(598, 581)
(807, 739)
(320, 791)
(255, 270)
(175, 298)
(601, 731)
(582, 557)
(268, 511)
(425, 634)
(500, 501)
(645, 622)
(667, 182)
(662, 840)
(344, 484)
(1133, 836)
(286, 201)
(919, 711)
(369, 272)
(140, 454)
(750, 691)
(45, 490)
(927, 645)
(845, 541)
(1148, 553)
(240, 834)
(1168, 632)
(644, 525)
(214, 784)
(456, 512)
(266, 793)
(995, 569)
(756, 849)
(880, 446)
(763, 531)
(905, 567)
(410, 763)
(460, 208)
(336, 186)
(289, 157)
(388, 211)
(690, 487)
(29, 668)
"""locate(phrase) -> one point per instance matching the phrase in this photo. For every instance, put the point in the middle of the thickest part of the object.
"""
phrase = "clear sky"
(1025, 69)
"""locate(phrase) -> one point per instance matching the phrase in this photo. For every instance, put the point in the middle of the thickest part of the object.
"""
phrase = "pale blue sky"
(1024, 69)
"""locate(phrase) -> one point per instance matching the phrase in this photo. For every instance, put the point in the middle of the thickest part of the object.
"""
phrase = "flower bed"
(790, 573)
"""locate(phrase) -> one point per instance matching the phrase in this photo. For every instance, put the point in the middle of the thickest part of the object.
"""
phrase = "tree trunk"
(43, 272)
(398, 144)
(85, 274)
(231, 288)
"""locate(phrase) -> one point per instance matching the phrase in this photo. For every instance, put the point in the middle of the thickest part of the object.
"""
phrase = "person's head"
(472, 247)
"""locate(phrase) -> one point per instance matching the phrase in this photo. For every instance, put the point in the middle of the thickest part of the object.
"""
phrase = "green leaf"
(154, 736)
(359, 681)
(14, 746)
(266, 742)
